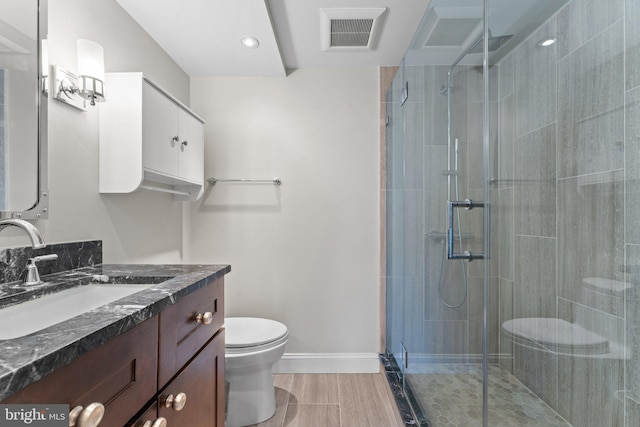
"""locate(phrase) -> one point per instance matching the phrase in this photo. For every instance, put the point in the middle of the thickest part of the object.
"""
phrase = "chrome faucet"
(33, 277)
(37, 242)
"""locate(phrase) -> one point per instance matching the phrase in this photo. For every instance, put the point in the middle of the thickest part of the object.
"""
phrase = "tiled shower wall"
(569, 164)
(566, 171)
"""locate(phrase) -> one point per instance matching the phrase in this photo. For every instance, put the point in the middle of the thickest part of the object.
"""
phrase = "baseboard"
(323, 363)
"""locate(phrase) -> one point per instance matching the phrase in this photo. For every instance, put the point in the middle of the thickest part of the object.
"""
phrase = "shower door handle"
(468, 205)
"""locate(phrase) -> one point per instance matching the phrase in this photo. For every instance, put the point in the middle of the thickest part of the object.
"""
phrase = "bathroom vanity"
(153, 355)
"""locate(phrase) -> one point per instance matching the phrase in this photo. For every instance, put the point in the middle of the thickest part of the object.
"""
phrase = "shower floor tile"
(451, 395)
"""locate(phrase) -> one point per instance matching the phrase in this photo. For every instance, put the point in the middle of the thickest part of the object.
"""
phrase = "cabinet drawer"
(120, 374)
(181, 335)
(202, 382)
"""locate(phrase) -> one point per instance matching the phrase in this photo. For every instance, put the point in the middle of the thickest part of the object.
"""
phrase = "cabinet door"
(191, 150)
(202, 381)
(120, 374)
(159, 132)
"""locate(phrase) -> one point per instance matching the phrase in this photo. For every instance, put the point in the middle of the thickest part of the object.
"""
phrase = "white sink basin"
(32, 316)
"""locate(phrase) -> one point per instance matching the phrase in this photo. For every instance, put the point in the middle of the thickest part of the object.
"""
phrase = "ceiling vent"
(453, 27)
(351, 28)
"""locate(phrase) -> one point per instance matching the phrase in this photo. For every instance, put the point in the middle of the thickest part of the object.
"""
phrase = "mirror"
(23, 109)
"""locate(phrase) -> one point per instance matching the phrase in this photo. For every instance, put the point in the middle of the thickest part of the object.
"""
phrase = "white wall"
(135, 228)
(305, 253)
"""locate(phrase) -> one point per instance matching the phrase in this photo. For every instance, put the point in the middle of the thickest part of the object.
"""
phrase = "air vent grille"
(351, 28)
(350, 32)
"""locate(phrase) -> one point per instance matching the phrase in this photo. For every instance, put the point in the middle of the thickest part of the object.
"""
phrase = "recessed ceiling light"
(250, 42)
(547, 42)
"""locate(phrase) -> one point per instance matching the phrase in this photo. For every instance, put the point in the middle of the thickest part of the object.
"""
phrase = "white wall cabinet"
(148, 139)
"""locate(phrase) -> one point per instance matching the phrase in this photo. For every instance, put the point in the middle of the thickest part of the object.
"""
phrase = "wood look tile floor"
(333, 400)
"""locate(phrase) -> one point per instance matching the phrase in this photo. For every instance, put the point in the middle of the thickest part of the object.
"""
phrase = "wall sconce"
(89, 83)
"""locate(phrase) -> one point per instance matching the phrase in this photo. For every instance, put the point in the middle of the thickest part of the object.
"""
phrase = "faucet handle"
(49, 257)
(33, 277)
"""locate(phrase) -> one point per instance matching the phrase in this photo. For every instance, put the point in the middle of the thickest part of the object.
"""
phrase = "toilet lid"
(251, 331)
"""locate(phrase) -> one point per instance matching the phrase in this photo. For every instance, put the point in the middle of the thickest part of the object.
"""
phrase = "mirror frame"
(40, 209)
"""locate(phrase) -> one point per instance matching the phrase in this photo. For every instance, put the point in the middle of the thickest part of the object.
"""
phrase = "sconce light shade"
(44, 63)
(45, 57)
(90, 71)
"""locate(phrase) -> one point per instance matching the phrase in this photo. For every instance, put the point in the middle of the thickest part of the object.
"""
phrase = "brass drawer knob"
(176, 403)
(86, 417)
(205, 318)
(158, 422)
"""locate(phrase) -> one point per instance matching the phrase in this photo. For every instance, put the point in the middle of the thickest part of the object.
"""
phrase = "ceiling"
(203, 36)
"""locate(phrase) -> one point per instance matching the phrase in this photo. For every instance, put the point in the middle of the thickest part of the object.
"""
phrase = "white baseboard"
(324, 363)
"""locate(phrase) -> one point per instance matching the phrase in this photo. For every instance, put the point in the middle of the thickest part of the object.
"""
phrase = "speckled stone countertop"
(26, 359)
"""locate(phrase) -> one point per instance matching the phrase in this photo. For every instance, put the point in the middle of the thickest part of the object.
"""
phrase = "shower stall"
(512, 238)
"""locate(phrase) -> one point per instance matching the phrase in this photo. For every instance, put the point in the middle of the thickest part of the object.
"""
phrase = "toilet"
(252, 346)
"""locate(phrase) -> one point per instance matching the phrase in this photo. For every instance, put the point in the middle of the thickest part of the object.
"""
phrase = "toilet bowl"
(252, 346)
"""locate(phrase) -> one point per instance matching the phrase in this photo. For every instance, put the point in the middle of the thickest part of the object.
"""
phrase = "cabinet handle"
(158, 422)
(86, 417)
(175, 139)
(204, 318)
(176, 403)
(185, 143)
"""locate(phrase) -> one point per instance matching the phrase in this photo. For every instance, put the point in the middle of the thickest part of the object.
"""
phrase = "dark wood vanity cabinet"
(121, 374)
(169, 366)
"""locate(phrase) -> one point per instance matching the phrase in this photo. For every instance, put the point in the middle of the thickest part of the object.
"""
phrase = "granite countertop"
(26, 359)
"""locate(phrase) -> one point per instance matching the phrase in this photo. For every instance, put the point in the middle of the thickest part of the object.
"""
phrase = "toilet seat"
(249, 334)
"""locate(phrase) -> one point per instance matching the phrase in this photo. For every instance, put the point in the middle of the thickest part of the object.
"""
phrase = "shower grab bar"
(468, 205)
(274, 181)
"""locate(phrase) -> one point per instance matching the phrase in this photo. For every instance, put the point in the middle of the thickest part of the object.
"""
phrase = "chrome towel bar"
(274, 181)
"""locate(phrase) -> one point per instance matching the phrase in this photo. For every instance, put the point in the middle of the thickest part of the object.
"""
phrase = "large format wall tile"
(581, 20)
(445, 337)
(632, 166)
(587, 388)
(590, 101)
(506, 77)
(413, 144)
(535, 185)
(535, 277)
(632, 43)
(590, 237)
(476, 316)
(413, 241)
(537, 368)
(535, 82)
(632, 301)
(505, 301)
(394, 242)
(506, 143)
(506, 235)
